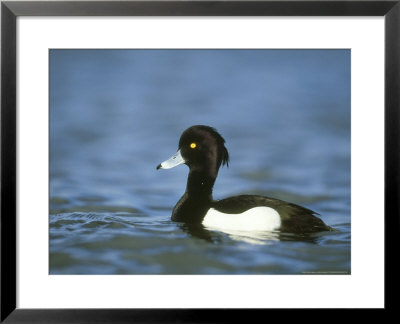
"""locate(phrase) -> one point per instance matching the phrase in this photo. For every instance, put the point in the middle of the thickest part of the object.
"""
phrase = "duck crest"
(223, 152)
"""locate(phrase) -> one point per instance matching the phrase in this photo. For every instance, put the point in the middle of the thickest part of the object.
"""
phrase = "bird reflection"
(199, 231)
(215, 236)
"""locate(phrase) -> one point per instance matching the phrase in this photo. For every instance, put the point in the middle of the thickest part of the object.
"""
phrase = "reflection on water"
(116, 114)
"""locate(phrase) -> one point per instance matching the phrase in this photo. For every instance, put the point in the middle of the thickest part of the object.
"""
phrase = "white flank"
(254, 219)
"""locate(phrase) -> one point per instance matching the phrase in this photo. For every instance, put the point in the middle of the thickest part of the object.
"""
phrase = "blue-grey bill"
(173, 161)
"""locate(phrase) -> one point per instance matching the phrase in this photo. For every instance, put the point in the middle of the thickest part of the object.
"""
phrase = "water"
(116, 114)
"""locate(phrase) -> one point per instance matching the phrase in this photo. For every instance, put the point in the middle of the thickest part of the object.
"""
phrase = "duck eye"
(193, 145)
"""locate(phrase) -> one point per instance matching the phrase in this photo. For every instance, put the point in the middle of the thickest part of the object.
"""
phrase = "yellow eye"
(193, 145)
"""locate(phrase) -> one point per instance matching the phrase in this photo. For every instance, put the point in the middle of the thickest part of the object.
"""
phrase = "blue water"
(116, 114)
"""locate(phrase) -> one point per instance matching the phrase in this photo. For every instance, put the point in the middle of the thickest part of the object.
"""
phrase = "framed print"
(298, 99)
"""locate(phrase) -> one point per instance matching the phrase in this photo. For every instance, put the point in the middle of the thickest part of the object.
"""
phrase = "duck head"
(201, 148)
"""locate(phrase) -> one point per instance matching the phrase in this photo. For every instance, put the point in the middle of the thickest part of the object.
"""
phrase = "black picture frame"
(10, 10)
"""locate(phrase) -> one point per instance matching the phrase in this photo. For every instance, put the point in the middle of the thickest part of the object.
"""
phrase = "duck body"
(202, 149)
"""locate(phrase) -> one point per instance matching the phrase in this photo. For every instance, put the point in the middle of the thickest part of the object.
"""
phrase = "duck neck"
(200, 185)
(197, 199)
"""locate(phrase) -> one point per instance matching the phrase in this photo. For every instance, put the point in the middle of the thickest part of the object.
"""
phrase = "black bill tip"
(158, 166)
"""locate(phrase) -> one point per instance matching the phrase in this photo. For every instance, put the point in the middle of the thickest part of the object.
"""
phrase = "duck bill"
(173, 161)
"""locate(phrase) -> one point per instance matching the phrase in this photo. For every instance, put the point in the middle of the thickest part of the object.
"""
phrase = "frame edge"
(8, 162)
(392, 143)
